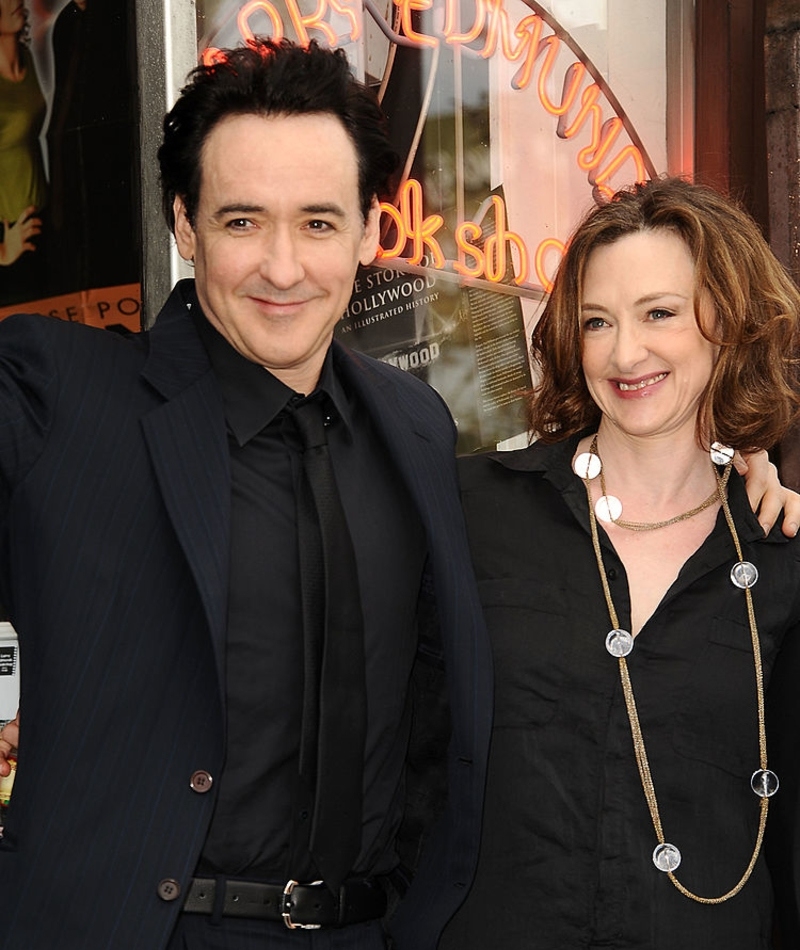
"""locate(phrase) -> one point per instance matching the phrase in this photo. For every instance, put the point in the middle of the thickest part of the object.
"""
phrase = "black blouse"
(566, 853)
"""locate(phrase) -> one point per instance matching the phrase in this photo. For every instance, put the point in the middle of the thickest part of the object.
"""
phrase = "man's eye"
(318, 225)
(239, 224)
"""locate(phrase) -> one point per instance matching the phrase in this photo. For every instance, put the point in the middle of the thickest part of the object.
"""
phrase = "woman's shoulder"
(490, 468)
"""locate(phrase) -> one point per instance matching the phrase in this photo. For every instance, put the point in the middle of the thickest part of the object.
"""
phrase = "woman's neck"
(655, 474)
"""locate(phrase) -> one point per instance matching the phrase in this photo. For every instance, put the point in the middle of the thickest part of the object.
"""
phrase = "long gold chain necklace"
(619, 643)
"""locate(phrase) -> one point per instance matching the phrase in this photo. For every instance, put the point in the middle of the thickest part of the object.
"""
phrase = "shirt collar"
(251, 394)
(554, 461)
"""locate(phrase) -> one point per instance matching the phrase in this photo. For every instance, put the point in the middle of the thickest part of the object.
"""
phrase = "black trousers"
(200, 932)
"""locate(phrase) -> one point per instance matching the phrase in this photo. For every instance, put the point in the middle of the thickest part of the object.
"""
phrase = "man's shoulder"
(47, 329)
(42, 344)
(368, 368)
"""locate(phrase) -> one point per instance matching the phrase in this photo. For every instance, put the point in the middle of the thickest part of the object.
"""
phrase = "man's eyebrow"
(327, 208)
(238, 209)
(323, 208)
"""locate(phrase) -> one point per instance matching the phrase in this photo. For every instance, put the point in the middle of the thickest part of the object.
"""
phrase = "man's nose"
(281, 264)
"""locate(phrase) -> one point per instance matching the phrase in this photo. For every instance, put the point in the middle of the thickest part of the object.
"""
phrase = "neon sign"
(414, 227)
(535, 44)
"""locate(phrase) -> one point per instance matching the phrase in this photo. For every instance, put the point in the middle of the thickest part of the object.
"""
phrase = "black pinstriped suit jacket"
(114, 492)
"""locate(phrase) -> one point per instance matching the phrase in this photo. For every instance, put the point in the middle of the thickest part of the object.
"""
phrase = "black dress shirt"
(567, 839)
(252, 827)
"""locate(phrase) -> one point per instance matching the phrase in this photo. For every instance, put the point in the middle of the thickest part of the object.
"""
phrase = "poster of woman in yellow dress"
(69, 199)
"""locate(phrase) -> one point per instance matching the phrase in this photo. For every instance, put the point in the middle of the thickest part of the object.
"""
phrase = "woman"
(22, 179)
(630, 661)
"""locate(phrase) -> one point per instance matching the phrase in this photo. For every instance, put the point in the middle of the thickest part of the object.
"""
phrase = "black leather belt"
(304, 906)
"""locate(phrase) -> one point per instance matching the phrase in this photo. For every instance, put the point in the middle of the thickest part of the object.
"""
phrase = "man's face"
(277, 237)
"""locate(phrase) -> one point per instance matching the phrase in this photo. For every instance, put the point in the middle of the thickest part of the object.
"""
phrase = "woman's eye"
(660, 314)
(594, 323)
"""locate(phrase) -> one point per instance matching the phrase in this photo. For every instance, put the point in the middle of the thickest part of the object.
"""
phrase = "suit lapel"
(413, 439)
(186, 437)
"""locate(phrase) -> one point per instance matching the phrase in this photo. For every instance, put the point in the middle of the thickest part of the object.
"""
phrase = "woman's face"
(12, 17)
(645, 361)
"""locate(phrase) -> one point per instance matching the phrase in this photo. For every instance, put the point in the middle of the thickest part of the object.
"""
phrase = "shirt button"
(201, 781)
(612, 573)
(169, 889)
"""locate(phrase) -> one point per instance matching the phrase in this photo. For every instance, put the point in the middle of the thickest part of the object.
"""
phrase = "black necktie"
(334, 694)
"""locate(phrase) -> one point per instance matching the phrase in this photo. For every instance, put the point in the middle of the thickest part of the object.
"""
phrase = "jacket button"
(201, 781)
(169, 889)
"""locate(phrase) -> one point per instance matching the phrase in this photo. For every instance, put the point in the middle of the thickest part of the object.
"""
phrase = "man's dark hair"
(272, 78)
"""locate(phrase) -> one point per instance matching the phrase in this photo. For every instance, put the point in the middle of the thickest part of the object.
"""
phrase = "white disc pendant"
(608, 508)
(587, 465)
(619, 643)
(764, 783)
(721, 454)
(744, 574)
(666, 857)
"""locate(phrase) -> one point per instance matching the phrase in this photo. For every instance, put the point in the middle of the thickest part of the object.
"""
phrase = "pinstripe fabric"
(113, 564)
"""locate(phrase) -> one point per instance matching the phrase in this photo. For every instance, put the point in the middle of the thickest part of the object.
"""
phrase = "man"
(158, 563)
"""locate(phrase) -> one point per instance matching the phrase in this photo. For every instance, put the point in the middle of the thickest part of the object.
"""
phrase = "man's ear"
(370, 239)
(184, 232)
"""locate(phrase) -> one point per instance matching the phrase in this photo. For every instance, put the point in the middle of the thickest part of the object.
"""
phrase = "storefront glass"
(512, 117)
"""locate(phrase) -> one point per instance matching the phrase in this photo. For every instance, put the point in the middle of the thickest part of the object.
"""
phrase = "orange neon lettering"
(552, 45)
(348, 10)
(451, 26)
(591, 156)
(313, 21)
(301, 23)
(530, 46)
(465, 234)
(245, 12)
(495, 252)
(549, 244)
(573, 78)
(589, 107)
(413, 226)
(402, 237)
(420, 230)
(527, 31)
(407, 8)
(497, 26)
(630, 151)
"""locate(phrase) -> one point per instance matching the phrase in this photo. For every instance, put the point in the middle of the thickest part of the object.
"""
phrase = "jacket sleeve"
(28, 386)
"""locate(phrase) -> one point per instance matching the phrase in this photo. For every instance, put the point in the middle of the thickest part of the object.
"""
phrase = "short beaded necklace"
(619, 644)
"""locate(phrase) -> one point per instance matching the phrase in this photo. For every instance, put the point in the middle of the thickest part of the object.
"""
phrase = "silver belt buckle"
(286, 912)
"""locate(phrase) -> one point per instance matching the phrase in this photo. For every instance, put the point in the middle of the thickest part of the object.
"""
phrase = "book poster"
(468, 342)
(69, 231)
